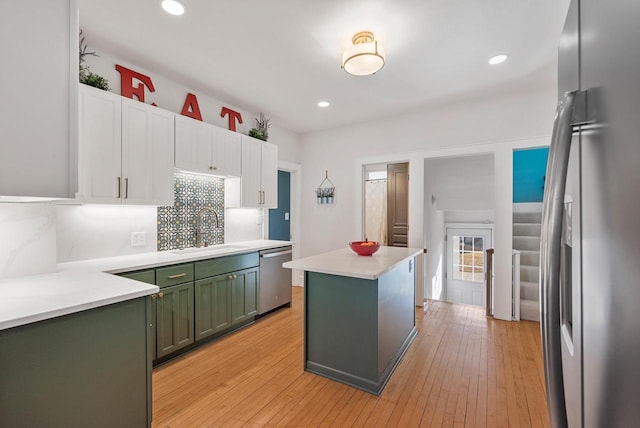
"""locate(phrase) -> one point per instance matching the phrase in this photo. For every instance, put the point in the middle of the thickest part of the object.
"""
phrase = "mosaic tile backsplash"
(177, 224)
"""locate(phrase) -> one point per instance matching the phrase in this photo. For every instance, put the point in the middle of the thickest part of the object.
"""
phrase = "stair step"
(529, 310)
(527, 217)
(530, 257)
(530, 243)
(526, 229)
(529, 273)
(529, 291)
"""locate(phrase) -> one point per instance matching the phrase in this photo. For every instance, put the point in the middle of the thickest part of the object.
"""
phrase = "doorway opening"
(459, 209)
(280, 217)
(386, 203)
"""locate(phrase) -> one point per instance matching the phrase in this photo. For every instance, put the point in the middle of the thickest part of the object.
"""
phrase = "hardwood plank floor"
(462, 370)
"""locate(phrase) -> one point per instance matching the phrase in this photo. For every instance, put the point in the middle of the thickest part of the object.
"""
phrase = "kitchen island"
(359, 314)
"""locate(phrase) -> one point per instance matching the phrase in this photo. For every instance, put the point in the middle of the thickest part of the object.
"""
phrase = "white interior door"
(466, 264)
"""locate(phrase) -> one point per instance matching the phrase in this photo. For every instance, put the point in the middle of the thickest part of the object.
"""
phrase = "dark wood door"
(398, 204)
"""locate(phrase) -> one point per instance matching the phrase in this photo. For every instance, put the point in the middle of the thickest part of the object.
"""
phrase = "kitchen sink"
(209, 249)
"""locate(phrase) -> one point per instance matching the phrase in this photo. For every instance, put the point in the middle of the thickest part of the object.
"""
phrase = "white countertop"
(88, 284)
(345, 262)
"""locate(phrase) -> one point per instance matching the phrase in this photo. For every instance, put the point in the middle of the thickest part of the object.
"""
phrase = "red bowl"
(365, 250)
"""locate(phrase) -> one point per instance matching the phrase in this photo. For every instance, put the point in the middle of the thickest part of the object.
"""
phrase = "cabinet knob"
(235, 276)
(230, 277)
(161, 294)
(154, 296)
(213, 168)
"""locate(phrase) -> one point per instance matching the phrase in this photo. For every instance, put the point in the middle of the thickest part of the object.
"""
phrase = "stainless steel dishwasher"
(275, 281)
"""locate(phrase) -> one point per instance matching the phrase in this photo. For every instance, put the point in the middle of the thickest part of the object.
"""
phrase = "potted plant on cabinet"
(261, 131)
(86, 75)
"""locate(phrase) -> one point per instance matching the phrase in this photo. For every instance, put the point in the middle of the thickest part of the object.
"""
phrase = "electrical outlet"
(138, 239)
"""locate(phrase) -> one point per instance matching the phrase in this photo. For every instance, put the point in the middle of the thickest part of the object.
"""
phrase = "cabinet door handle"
(178, 275)
(161, 294)
(126, 188)
(119, 180)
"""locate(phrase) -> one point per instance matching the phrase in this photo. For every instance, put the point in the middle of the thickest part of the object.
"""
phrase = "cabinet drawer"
(220, 265)
(172, 275)
(148, 276)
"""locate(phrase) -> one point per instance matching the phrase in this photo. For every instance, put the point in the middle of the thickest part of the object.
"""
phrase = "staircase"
(526, 239)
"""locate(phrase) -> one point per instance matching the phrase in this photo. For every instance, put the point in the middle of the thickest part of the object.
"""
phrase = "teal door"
(279, 218)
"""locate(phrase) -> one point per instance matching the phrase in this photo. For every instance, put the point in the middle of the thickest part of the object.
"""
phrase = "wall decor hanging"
(326, 190)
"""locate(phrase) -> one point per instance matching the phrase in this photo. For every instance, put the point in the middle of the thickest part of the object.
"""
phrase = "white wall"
(243, 224)
(493, 124)
(28, 239)
(461, 183)
(92, 231)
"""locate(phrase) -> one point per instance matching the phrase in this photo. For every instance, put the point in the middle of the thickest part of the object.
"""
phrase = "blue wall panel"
(529, 169)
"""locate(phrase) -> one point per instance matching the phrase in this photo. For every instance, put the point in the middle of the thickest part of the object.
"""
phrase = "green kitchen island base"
(357, 330)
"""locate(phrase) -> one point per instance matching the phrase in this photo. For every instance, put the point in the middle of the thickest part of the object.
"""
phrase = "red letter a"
(191, 108)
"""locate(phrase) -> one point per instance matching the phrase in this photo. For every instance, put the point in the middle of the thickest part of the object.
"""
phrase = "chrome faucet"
(199, 232)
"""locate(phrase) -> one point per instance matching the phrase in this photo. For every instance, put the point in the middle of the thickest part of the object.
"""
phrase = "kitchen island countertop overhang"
(345, 262)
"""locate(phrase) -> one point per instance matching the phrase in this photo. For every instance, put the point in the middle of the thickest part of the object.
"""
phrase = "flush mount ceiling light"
(172, 7)
(498, 59)
(323, 104)
(365, 57)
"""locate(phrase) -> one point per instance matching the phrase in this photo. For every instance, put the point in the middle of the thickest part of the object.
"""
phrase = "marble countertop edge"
(88, 284)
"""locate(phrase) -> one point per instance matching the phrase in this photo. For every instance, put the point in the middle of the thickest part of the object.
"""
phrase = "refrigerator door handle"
(550, 246)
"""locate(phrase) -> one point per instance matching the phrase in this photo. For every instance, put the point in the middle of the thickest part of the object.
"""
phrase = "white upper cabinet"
(38, 79)
(125, 151)
(207, 149)
(227, 152)
(99, 146)
(147, 154)
(269, 175)
(193, 145)
(259, 183)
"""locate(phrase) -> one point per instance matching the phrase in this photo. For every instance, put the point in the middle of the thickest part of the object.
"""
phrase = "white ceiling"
(281, 57)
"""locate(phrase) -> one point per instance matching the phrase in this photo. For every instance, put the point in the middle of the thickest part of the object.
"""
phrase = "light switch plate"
(286, 216)
(138, 239)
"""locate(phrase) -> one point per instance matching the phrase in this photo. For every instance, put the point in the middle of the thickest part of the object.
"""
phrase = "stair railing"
(489, 281)
(515, 283)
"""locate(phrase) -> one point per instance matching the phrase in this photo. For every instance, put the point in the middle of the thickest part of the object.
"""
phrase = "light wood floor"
(462, 370)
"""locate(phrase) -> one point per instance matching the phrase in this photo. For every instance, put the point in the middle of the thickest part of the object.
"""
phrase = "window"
(468, 258)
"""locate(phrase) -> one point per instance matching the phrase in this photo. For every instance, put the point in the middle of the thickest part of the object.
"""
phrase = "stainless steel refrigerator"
(590, 255)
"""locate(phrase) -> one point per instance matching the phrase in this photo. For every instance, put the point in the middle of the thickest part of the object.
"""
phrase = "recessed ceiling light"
(498, 59)
(323, 103)
(174, 7)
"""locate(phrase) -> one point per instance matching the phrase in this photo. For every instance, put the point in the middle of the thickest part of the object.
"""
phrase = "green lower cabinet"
(174, 318)
(244, 295)
(213, 305)
(148, 276)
